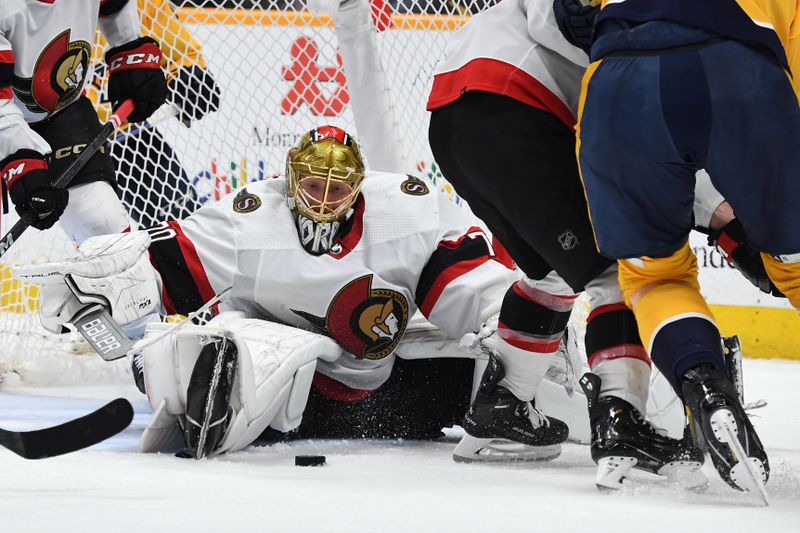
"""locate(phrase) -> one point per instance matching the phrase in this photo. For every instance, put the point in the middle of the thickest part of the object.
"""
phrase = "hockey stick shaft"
(66, 177)
(70, 436)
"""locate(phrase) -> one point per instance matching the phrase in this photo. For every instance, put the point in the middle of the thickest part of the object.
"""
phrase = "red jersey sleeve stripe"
(450, 260)
(186, 286)
(195, 265)
(443, 280)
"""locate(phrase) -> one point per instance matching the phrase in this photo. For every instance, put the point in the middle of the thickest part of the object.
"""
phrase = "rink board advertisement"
(279, 78)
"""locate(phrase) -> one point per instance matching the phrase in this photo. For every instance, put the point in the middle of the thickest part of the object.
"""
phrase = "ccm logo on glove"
(16, 169)
(150, 59)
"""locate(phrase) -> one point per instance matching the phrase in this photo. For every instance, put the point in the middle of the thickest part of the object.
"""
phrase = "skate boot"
(622, 439)
(500, 427)
(736, 451)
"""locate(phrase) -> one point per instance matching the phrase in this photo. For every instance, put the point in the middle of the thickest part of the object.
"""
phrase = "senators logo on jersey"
(58, 76)
(366, 322)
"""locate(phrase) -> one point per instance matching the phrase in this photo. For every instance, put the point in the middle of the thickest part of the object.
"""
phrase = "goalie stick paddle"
(65, 178)
(70, 436)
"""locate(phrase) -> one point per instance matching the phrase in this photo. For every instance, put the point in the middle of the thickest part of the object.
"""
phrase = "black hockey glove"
(26, 174)
(194, 92)
(134, 71)
(731, 242)
(576, 22)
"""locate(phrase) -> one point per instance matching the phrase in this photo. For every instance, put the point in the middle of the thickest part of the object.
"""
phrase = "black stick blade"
(70, 436)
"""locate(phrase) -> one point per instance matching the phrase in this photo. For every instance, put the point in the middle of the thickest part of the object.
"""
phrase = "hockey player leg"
(223, 384)
(617, 394)
(684, 343)
(529, 331)
(93, 209)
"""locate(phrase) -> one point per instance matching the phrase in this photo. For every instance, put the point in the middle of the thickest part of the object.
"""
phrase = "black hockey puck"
(309, 460)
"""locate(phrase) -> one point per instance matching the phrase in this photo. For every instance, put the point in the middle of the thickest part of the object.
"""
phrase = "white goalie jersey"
(406, 247)
(45, 54)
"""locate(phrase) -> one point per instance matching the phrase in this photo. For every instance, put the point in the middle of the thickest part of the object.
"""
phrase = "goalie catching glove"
(112, 269)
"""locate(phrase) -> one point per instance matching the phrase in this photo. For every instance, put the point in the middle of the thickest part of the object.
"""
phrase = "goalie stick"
(65, 178)
(70, 436)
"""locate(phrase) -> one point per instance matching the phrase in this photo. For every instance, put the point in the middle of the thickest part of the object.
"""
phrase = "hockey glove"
(731, 242)
(194, 92)
(576, 22)
(28, 180)
(134, 71)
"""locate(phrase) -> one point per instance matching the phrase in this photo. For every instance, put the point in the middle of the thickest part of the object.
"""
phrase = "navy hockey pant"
(651, 119)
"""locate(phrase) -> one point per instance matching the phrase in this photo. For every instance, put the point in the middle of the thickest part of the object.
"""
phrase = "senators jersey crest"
(366, 322)
(58, 76)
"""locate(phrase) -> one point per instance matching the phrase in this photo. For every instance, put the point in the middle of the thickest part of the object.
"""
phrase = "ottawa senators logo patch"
(414, 186)
(366, 322)
(246, 202)
(58, 76)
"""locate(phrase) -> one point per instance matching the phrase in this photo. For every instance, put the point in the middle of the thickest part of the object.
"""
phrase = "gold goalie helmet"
(325, 172)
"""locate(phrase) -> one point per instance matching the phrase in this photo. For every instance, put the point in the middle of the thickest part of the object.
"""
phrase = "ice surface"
(371, 486)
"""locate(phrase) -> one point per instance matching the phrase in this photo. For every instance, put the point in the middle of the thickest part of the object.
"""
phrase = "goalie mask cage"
(278, 73)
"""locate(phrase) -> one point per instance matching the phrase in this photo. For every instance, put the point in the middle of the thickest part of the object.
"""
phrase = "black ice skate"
(622, 439)
(500, 427)
(736, 451)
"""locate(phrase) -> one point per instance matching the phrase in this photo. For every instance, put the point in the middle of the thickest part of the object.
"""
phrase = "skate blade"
(612, 471)
(477, 450)
(687, 474)
(748, 473)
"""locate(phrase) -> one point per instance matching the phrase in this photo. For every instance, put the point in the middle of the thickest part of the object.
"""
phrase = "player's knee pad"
(274, 368)
(93, 209)
(785, 274)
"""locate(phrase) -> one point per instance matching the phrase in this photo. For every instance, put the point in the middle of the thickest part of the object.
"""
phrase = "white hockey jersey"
(406, 247)
(515, 49)
(45, 52)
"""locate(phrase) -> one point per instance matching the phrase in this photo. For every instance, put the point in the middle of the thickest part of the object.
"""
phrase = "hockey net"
(278, 73)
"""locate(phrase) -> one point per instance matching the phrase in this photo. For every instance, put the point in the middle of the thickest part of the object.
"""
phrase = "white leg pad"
(275, 367)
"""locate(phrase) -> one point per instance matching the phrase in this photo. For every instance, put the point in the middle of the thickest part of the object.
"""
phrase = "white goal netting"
(276, 67)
